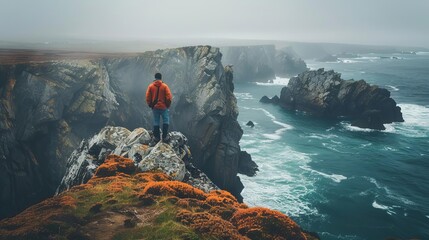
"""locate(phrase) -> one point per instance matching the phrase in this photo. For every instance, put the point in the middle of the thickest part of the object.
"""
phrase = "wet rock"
(370, 119)
(246, 165)
(273, 100)
(250, 124)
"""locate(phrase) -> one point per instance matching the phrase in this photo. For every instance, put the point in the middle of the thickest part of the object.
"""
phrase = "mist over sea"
(341, 181)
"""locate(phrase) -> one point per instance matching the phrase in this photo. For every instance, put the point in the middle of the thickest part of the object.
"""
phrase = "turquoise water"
(337, 180)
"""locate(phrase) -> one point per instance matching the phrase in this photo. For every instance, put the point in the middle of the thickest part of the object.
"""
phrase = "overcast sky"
(385, 22)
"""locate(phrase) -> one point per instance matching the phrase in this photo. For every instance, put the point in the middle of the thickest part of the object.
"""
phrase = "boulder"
(250, 124)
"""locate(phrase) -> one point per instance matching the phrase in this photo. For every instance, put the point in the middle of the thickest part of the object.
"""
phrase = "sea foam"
(388, 209)
(245, 96)
(278, 81)
(334, 177)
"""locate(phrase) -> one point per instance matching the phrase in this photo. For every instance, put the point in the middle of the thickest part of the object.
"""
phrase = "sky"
(381, 22)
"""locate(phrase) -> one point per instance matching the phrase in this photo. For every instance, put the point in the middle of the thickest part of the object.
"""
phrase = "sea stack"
(324, 93)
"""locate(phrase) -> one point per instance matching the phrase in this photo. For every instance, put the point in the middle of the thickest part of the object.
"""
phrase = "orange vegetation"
(31, 221)
(116, 186)
(114, 164)
(263, 223)
(209, 224)
(175, 188)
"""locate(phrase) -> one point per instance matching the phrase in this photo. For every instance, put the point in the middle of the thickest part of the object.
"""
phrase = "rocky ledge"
(173, 158)
(324, 93)
(129, 200)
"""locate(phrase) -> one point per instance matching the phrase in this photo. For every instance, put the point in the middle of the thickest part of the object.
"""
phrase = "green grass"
(99, 194)
(164, 226)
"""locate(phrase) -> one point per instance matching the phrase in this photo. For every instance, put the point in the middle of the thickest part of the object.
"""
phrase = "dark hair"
(158, 76)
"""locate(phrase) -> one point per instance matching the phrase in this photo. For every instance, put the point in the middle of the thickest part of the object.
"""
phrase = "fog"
(382, 22)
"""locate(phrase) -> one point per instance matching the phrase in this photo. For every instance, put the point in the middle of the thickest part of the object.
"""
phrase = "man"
(158, 97)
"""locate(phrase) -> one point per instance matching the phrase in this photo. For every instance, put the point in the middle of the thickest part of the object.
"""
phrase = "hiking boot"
(166, 139)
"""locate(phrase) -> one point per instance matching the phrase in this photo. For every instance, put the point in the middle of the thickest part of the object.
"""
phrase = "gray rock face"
(288, 64)
(47, 109)
(163, 158)
(168, 158)
(251, 63)
(324, 93)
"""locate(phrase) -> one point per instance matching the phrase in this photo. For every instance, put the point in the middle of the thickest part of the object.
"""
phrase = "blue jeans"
(157, 113)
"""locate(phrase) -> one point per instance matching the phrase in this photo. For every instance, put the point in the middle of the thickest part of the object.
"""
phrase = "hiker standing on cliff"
(158, 97)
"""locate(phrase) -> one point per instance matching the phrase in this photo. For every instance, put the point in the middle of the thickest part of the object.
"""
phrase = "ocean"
(337, 180)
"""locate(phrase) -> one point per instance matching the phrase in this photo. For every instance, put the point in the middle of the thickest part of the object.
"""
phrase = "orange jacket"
(164, 96)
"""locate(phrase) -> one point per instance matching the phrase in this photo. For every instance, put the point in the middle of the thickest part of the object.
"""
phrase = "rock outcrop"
(173, 159)
(273, 100)
(324, 93)
(251, 63)
(121, 202)
(47, 108)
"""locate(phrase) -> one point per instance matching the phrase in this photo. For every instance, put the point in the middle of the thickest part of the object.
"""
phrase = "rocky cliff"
(324, 93)
(120, 201)
(48, 108)
(288, 63)
(262, 62)
(251, 63)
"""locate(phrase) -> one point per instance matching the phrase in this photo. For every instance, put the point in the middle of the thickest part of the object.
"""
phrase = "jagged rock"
(173, 158)
(324, 93)
(138, 136)
(246, 165)
(250, 124)
(163, 158)
(273, 100)
(48, 108)
(198, 179)
(108, 138)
